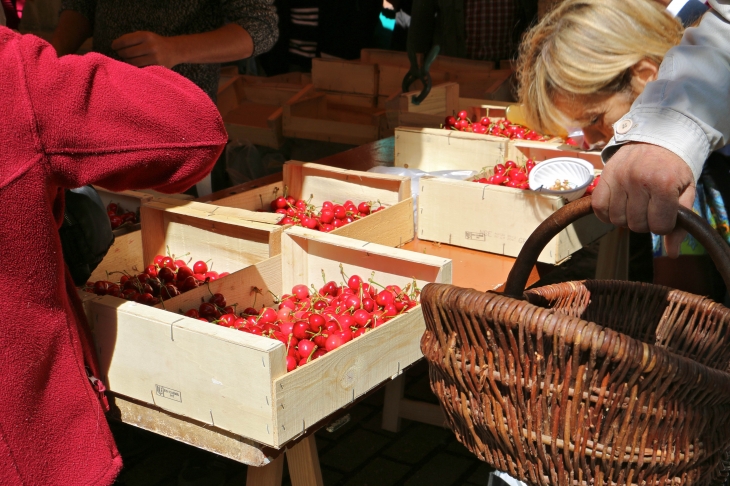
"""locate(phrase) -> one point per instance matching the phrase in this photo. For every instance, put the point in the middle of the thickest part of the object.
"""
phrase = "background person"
(190, 36)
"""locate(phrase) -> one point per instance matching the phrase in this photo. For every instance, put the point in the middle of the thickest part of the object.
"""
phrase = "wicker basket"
(594, 382)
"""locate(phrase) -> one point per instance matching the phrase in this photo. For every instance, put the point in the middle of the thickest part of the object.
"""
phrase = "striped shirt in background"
(303, 31)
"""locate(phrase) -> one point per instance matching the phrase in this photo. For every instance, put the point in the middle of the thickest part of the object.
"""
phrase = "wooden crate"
(350, 77)
(313, 115)
(236, 381)
(484, 217)
(251, 109)
(127, 239)
(232, 238)
(392, 226)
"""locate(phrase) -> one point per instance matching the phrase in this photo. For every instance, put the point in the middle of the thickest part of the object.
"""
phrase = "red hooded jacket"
(65, 123)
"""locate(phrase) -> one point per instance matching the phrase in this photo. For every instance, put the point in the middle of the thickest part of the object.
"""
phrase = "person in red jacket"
(66, 123)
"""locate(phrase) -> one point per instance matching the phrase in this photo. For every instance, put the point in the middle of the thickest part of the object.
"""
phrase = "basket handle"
(568, 214)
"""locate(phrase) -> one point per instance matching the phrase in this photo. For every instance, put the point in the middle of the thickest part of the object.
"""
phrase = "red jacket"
(65, 123)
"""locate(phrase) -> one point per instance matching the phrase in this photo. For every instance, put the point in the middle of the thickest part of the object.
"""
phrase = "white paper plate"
(578, 173)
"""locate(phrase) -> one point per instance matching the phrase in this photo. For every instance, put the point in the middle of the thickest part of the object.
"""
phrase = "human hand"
(144, 48)
(642, 187)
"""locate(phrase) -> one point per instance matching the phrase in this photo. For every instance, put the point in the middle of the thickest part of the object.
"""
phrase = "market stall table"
(471, 268)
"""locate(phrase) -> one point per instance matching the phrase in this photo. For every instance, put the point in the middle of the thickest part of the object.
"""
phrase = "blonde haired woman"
(583, 66)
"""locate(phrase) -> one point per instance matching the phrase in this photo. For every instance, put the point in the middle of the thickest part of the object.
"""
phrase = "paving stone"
(379, 472)
(420, 389)
(353, 450)
(481, 475)
(440, 470)
(357, 414)
(417, 442)
(159, 464)
(457, 448)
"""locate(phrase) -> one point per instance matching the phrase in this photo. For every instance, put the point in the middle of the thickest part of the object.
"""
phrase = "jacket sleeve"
(258, 18)
(104, 122)
(686, 110)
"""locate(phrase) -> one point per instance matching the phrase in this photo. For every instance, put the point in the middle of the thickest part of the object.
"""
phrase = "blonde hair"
(587, 47)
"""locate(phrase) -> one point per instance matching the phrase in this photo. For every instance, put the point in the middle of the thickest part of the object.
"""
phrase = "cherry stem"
(277, 300)
(342, 272)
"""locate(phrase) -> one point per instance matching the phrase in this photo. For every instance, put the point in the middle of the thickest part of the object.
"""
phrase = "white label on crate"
(168, 393)
(473, 235)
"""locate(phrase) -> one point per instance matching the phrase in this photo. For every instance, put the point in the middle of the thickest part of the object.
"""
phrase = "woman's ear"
(643, 72)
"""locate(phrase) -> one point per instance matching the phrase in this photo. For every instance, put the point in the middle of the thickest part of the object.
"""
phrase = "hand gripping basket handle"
(568, 214)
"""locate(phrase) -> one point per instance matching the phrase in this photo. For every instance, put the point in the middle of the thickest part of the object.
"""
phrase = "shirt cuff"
(663, 127)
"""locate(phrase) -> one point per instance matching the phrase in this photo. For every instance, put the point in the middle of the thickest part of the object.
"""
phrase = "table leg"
(613, 256)
(391, 405)
(303, 459)
(269, 475)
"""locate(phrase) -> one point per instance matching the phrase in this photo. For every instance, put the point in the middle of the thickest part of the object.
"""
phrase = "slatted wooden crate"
(251, 109)
(484, 217)
(237, 382)
(392, 226)
(127, 238)
(334, 117)
(231, 238)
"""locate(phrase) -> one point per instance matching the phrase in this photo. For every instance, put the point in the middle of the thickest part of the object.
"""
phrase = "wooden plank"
(442, 100)
(304, 469)
(436, 149)
(206, 231)
(393, 226)
(174, 362)
(306, 253)
(335, 184)
(237, 288)
(613, 256)
(125, 256)
(251, 109)
(191, 432)
(329, 131)
(394, 390)
(427, 413)
(345, 76)
(366, 101)
(254, 199)
(521, 150)
(496, 229)
(269, 475)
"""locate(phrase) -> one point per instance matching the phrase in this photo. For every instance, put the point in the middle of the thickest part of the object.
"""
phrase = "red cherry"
(115, 221)
(281, 202)
(183, 273)
(218, 299)
(267, 316)
(166, 274)
(334, 342)
(192, 313)
(200, 267)
(339, 212)
(291, 363)
(151, 270)
(463, 114)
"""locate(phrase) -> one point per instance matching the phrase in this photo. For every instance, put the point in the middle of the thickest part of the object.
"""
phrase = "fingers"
(128, 40)
(143, 61)
(673, 240)
(601, 199)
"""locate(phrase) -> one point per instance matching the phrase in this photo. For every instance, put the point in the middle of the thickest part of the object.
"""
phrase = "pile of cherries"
(311, 322)
(164, 279)
(509, 174)
(330, 216)
(500, 128)
(118, 216)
